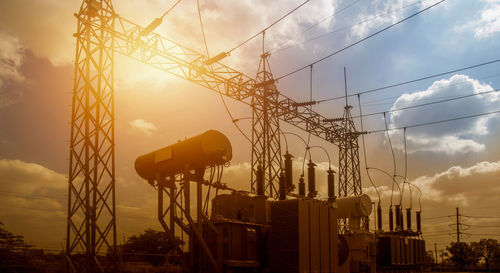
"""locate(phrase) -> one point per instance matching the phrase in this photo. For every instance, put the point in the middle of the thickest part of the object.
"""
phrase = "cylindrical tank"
(302, 186)
(354, 206)
(209, 148)
(288, 172)
(260, 180)
(311, 179)
(408, 218)
(391, 219)
(331, 184)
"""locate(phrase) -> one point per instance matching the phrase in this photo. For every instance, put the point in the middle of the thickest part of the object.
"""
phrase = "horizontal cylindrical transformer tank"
(354, 206)
(201, 151)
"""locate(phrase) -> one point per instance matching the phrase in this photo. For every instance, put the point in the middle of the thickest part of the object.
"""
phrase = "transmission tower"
(266, 150)
(91, 222)
(349, 171)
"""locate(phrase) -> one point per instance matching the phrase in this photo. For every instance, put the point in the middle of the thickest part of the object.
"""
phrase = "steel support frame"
(349, 170)
(177, 194)
(266, 148)
(91, 220)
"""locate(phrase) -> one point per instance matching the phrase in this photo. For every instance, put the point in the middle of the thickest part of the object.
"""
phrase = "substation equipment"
(271, 228)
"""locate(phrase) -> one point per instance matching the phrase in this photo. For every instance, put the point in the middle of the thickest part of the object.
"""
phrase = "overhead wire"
(170, 9)
(364, 152)
(284, 46)
(434, 122)
(413, 81)
(266, 28)
(220, 94)
(430, 103)
(394, 163)
(360, 41)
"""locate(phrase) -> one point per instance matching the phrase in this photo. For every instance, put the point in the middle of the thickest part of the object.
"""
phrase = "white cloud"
(381, 13)
(450, 137)
(143, 126)
(488, 22)
(11, 60)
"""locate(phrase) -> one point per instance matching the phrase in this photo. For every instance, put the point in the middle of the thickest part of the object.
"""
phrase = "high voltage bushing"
(391, 220)
(282, 187)
(331, 184)
(260, 180)
(288, 173)
(398, 217)
(302, 186)
(311, 179)
(419, 223)
(401, 220)
(408, 218)
(379, 217)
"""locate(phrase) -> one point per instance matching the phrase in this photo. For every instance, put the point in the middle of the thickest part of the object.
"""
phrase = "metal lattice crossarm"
(169, 56)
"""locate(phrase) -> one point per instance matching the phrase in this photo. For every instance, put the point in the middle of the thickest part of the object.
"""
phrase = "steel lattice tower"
(91, 222)
(266, 149)
(349, 172)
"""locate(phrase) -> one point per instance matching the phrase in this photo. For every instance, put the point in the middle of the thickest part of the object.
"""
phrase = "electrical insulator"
(391, 221)
(282, 190)
(216, 58)
(302, 186)
(331, 184)
(152, 26)
(408, 218)
(419, 224)
(379, 217)
(398, 217)
(260, 180)
(288, 172)
(401, 220)
(311, 179)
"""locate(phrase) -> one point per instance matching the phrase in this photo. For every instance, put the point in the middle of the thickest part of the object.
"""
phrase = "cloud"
(488, 22)
(33, 201)
(450, 137)
(380, 13)
(11, 60)
(472, 189)
(143, 126)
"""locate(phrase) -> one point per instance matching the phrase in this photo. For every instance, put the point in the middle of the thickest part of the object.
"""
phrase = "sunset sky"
(455, 164)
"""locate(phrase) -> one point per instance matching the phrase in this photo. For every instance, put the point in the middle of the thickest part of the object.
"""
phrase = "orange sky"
(154, 109)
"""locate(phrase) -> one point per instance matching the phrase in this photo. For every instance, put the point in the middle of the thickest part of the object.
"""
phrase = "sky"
(454, 164)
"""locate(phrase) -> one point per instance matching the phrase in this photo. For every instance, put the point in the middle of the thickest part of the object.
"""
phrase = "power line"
(435, 122)
(362, 40)
(411, 81)
(266, 28)
(220, 94)
(284, 46)
(429, 103)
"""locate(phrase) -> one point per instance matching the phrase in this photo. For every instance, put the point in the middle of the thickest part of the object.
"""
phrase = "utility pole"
(458, 227)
